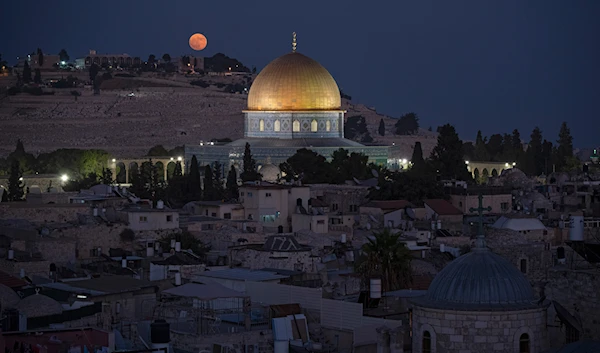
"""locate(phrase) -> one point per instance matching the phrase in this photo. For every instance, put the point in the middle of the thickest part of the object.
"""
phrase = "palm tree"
(386, 258)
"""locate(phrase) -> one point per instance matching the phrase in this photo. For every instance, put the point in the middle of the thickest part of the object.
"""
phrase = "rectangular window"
(214, 214)
(321, 221)
(353, 208)
(227, 215)
(207, 227)
(249, 194)
(143, 219)
(268, 194)
(169, 218)
(242, 193)
(504, 206)
(334, 207)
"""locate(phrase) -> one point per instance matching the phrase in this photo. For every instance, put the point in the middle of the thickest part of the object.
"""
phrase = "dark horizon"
(479, 66)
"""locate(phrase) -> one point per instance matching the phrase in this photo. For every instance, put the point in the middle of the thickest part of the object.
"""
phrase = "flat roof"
(242, 274)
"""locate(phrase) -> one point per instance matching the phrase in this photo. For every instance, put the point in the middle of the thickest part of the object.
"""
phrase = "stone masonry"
(479, 331)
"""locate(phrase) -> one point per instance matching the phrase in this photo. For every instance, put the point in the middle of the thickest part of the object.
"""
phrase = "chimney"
(124, 261)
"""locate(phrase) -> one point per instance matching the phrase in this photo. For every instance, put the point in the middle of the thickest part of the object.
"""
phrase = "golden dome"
(294, 82)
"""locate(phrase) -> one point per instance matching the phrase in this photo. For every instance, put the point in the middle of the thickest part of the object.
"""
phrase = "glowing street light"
(114, 160)
(179, 159)
(64, 178)
(514, 164)
(466, 162)
(404, 161)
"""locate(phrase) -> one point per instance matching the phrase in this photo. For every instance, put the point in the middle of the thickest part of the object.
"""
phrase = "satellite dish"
(410, 213)
(44, 232)
(375, 173)
(356, 180)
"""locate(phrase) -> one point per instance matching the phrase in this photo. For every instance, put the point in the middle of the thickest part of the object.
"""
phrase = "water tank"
(576, 231)
(160, 332)
(95, 212)
(433, 225)
(150, 251)
(11, 254)
(343, 239)
(375, 288)
(442, 248)
(124, 261)
(177, 278)
(439, 224)
(160, 204)
(177, 246)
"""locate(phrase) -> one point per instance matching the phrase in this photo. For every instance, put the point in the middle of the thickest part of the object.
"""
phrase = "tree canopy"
(447, 156)
(408, 124)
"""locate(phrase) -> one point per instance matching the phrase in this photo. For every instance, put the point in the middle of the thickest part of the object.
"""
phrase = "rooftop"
(389, 204)
(241, 274)
(103, 285)
(442, 207)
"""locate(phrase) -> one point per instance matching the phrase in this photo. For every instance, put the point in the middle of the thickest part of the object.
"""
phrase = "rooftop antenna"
(294, 42)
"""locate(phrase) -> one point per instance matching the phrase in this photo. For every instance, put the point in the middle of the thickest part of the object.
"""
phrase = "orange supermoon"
(198, 41)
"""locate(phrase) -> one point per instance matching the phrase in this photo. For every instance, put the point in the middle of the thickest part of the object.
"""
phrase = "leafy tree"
(548, 156)
(564, 151)
(309, 167)
(151, 59)
(232, 185)
(4, 195)
(177, 188)
(93, 71)
(381, 127)
(82, 183)
(63, 55)
(413, 185)
(209, 186)
(481, 152)
(107, 177)
(249, 172)
(349, 165)
(507, 154)
(385, 257)
(194, 185)
(469, 151)
(494, 147)
(166, 58)
(27, 161)
(178, 171)
(37, 78)
(26, 72)
(447, 155)
(40, 55)
(158, 151)
(218, 180)
(408, 124)
(15, 183)
(355, 128)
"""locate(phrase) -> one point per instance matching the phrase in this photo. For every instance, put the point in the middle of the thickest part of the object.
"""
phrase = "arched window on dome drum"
(261, 125)
(296, 126)
(523, 265)
(524, 344)
(277, 125)
(426, 342)
(328, 125)
(314, 126)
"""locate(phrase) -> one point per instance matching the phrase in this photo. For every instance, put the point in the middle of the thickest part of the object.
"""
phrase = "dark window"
(169, 218)
(524, 265)
(426, 342)
(571, 334)
(227, 215)
(524, 344)
(214, 214)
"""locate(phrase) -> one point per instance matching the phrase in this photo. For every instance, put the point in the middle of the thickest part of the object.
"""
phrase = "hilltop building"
(293, 103)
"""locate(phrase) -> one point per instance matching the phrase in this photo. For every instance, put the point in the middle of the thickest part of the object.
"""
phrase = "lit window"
(277, 125)
(313, 126)
(524, 343)
(328, 125)
(261, 125)
(296, 126)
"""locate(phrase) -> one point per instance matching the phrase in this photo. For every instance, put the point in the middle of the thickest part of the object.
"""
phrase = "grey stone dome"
(270, 172)
(8, 297)
(39, 305)
(479, 280)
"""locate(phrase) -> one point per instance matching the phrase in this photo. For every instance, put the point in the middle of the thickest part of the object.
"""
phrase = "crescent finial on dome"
(294, 42)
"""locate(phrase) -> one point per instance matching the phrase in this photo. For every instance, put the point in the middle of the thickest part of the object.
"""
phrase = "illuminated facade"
(293, 103)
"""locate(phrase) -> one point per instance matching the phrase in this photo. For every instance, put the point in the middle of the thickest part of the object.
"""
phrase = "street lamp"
(114, 160)
(179, 159)
(64, 178)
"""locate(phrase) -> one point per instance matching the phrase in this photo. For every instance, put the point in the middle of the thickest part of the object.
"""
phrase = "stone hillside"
(171, 112)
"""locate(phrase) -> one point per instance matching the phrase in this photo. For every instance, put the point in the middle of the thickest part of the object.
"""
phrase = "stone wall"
(55, 213)
(39, 268)
(479, 331)
(256, 259)
(57, 250)
(579, 293)
(235, 341)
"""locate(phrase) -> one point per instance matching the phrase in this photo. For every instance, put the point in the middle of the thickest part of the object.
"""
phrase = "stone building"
(479, 303)
(293, 103)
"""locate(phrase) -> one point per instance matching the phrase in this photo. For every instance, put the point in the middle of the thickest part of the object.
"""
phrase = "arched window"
(296, 126)
(328, 125)
(524, 343)
(261, 125)
(426, 342)
(523, 265)
(277, 125)
(313, 126)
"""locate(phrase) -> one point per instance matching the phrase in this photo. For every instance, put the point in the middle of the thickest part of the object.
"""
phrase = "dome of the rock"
(294, 82)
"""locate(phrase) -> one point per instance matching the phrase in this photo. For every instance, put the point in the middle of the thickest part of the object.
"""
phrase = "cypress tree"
(209, 188)
(194, 187)
(249, 172)
(381, 127)
(232, 186)
(15, 184)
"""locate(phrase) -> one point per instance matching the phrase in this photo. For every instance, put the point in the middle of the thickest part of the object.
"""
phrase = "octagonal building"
(293, 103)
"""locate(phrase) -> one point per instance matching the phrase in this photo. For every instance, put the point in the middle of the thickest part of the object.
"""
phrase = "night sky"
(489, 65)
